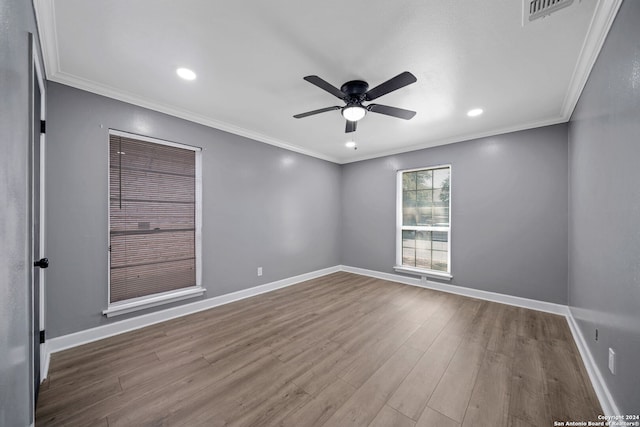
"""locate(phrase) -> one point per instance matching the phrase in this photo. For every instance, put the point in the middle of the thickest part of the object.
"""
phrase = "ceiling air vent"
(534, 9)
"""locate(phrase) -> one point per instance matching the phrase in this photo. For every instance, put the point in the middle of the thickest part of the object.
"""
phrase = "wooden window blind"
(152, 212)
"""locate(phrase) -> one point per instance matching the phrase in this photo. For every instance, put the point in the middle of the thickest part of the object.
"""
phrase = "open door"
(36, 149)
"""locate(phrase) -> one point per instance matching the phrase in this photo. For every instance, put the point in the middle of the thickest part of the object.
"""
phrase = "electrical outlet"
(259, 271)
(612, 361)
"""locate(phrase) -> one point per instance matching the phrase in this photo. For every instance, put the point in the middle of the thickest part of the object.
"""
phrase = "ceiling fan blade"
(395, 83)
(351, 126)
(322, 84)
(400, 113)
(311, 113)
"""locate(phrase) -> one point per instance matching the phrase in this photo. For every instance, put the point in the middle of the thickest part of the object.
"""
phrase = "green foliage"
(444, 194)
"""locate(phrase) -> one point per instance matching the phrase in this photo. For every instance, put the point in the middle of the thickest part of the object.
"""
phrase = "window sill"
(423, 273)
(142, 303)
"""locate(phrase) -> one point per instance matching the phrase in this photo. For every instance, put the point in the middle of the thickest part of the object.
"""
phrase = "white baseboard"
(548, 307)
(83, 337)
(75, 339)
(607, 402)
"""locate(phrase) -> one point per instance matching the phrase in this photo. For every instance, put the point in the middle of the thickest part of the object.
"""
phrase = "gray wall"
(16, 21)
(604, 232)
(262, 206)
(509, 212)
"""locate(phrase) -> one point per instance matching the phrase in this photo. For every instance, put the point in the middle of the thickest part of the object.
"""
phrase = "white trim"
(141, 303)
(458, 138)
(400, 227)
(65, 342)
(75, 339)
(41, 141)
(601, 23)
(607, 402)
(130, 98)
(603, 17)
(198, 208)
(46, 20)
(47, 29)
(532, 304)
(423, 273)
(153, 140)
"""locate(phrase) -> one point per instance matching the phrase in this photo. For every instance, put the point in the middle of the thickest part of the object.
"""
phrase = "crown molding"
(603, 17)
(601, 22)
(459, 138)
(130, 98)
(46, 22)
(46, 19)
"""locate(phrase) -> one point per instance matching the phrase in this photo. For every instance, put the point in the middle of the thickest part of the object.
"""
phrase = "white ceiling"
(251, 56)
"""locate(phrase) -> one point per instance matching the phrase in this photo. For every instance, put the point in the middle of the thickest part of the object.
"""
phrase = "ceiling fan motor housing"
(355, 90)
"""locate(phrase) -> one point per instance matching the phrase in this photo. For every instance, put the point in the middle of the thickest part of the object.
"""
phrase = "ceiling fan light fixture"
(350, 144)
(353, 113)
(475, 112)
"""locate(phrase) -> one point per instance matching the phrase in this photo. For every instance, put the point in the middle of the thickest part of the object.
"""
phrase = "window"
(154, 222)
(423, 221)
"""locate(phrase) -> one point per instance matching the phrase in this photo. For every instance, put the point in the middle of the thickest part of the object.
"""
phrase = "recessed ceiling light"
(475, 112)
(350, 144)
(186, 73)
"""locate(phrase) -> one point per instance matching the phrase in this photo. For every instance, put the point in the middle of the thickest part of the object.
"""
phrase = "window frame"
(400, 227)
(152, 300)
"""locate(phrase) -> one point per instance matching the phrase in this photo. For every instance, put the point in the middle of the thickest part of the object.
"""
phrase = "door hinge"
(43, 126)
(41, 337)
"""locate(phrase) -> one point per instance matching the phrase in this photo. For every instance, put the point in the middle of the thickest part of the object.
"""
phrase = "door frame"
(37, 77)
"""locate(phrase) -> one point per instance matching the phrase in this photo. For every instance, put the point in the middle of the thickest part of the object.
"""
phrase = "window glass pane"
(424, 179)
(440, 240)
(423, 239)
(425, 203)
(441, 216)
(409, 216)
(444, 194)
(408, 199)
(409, 181)
(425, 216)
(423, 259)
(424, 198)
(439, 260)
(409, 257)
(408, 239)
(440, 177)
(409, 211)
(430, 249)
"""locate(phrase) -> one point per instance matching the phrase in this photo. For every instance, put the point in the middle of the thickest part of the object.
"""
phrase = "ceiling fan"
(355, 92)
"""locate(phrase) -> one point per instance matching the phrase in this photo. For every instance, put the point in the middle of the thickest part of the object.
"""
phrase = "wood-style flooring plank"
(320, 408)
(489, 404)
(338, 350)
(453, 392)
(414, 392)
(390, 417)
(569, 398)
(371, 357)
(364, 404)
(431, 418)
(424, 336)
(90, 414)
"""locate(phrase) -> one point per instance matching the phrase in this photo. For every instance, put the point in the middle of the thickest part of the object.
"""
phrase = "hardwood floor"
(340, 350)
